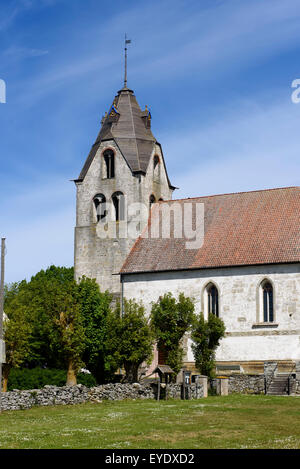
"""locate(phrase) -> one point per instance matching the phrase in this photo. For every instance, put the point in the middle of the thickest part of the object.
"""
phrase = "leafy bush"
(206, 336)
(171, 318)
(37, 378)
(88, 380)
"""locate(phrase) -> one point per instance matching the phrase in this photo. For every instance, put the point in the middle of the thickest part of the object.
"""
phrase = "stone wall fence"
(67, 395)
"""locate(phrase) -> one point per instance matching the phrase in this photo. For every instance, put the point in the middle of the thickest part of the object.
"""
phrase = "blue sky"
(217, 75)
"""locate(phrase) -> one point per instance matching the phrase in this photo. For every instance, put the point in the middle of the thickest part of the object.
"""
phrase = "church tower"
(123, 175)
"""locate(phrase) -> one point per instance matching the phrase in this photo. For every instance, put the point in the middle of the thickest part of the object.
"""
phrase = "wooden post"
(158, 387)
(1, 309)
(183, 384)
(166, 386)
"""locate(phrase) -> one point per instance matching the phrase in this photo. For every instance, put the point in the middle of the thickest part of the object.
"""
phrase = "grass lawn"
(233, 421)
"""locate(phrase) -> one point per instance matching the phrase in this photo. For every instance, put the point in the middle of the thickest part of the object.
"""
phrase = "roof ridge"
(258, 227)
(230, 193)
(134, 131)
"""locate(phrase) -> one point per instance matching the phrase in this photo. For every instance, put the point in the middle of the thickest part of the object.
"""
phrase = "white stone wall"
(101, 258)
(246, 338)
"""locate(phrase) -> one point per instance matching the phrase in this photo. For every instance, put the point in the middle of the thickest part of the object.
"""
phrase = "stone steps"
(279, 385)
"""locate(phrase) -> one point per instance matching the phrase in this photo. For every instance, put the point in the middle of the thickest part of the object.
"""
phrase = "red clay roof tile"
(246, 228)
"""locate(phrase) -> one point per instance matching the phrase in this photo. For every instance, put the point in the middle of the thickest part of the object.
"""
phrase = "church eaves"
(246, 228)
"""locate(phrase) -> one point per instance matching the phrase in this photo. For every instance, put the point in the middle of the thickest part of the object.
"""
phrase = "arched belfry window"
(152, 200)
(109, 162)
(99, 203)
(155, 161)
(211, 300)
(267, 301)
(156, 168)
(118, 200)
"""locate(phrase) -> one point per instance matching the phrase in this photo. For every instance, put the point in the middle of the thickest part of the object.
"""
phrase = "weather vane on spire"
(127, 41)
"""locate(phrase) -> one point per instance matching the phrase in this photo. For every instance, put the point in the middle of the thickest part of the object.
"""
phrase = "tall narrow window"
(109, 160)
(156, 168)
(268, 307)
(151, 200)
(212, 300)
(99, 202)
(155, 161)
(118, 200)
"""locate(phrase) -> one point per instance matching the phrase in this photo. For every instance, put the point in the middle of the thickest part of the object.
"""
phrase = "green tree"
(129, 340)
(57, 336)
(206, 336)
(170, 320)
(17, 330)
(65, 328)
(41, 296)
(95, 308)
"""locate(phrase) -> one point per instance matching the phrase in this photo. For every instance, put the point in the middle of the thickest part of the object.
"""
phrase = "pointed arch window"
(267, 296)
(109, 161)
(211, 300)
(100, 203)
(118, 200)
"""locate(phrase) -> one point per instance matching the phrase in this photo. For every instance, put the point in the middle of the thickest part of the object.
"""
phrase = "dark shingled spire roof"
(129, 127)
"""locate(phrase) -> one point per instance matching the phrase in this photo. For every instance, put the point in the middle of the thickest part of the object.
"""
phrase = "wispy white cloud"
(217, 40)
(38, 223)
(243, 150)
(253, 144)
(17, 53)
(14, 8)
(38, 244)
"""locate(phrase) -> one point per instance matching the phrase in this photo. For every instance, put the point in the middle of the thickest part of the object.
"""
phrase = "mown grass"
(216, 422)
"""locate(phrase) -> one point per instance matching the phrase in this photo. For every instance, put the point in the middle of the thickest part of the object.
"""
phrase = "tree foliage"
(95, 308)
(17, 331)
(206, 336)
(49, 307)
(44, 296)
(170, 320)
(129, 339)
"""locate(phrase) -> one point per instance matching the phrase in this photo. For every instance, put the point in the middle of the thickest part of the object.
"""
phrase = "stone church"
(246, 270)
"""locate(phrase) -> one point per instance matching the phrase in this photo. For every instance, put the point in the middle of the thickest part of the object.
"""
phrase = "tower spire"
(127, 41)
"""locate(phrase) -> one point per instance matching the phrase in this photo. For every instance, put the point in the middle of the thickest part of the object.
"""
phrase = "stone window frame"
(204, 298)
(260, 304)
(152, 200)
(119, 209)
(104, 165)
(96, 216)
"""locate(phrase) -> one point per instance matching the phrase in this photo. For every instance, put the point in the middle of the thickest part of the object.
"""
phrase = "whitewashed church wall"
(247, 338)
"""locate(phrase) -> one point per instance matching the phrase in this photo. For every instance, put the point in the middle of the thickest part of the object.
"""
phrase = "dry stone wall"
(67, 395)
(246, 384)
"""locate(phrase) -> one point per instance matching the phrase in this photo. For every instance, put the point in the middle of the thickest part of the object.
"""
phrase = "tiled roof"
(128, 126)
(246, 228)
